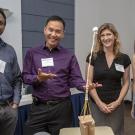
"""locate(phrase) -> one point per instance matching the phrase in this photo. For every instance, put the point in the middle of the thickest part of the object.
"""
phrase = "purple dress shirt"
(65, 67)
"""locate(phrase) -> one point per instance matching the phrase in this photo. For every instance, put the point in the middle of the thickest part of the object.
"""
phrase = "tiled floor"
(129, 122)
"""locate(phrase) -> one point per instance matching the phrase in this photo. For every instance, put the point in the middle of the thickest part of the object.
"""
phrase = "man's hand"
(93, 86)
(14, 106)
(96, 85)
(42, 76)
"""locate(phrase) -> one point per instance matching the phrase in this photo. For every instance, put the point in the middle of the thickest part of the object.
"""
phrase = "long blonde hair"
(98, 45)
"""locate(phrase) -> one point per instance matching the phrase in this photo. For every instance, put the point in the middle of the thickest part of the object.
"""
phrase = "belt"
(37, 101)
(4, 103)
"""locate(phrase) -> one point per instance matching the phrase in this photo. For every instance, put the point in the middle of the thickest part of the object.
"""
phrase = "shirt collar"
(44, 47)
(2, 43)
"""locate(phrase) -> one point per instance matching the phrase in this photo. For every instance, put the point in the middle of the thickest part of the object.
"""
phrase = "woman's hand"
(113, 105)
(103, 107)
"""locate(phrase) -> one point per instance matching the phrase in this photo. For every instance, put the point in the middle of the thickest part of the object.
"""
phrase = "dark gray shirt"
(10, 78)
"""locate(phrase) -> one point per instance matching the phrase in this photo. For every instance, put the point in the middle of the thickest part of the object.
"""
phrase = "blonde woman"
(109, 67)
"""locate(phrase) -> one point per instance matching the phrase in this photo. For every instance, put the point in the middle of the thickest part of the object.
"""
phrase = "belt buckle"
(49, 102)
(52, 102)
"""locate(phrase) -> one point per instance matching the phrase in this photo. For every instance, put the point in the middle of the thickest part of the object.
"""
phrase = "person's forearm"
(95, 96)
(133, 92)
(123, 92)
(29, 79)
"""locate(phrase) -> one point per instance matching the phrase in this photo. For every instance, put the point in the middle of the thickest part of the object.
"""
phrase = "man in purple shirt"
(51, 70)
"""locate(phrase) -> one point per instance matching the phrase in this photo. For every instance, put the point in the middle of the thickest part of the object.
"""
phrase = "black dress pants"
(49, 117)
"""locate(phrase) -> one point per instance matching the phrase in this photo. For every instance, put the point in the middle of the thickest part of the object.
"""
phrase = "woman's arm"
(126, 80)
(133, 70)
(133, 89)
(125, 86)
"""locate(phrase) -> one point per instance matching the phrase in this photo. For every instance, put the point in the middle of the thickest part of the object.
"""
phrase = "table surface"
(101, 130)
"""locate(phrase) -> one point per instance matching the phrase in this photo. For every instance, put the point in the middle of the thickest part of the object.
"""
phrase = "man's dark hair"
(3, 14)
(55, 18)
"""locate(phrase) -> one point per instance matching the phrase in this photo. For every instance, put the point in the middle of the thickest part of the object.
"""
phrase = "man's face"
(2, 24)
(54, 32)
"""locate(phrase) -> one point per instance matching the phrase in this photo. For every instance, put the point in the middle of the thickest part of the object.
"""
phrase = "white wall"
(90, 13)
(13, 32)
